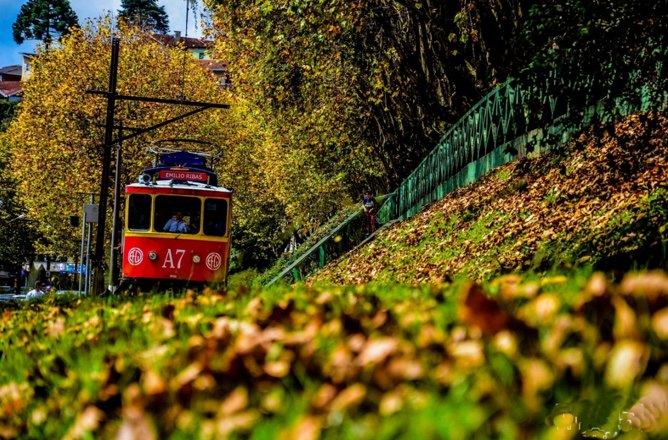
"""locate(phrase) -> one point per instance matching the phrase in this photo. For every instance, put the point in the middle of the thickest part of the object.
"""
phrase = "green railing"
(474, 145)
(495, 131)
(339, 241)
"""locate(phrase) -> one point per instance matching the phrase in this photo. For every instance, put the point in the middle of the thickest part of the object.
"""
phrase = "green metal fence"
(495, 131)
(339, 241)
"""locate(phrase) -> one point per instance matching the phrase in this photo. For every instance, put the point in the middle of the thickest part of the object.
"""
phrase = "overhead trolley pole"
(112, 97)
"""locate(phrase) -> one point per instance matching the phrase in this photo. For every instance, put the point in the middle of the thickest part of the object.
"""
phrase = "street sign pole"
(83, 247)
(113, 263)
(91, 215)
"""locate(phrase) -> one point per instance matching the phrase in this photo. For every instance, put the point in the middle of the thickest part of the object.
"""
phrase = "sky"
(10, 52)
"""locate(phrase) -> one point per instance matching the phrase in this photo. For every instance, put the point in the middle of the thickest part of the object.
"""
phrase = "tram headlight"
(153, 255)
(196, 259)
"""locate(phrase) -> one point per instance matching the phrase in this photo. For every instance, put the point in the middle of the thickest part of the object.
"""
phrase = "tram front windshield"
(184, 211)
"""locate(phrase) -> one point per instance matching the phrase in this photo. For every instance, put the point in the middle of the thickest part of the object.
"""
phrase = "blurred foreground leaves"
(436, 361)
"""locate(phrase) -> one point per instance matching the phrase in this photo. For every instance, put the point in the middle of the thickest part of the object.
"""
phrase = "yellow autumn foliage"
(56, 140)
(293, 71)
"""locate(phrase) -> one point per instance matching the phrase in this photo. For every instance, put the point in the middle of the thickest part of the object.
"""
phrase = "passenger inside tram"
(177, 214)
(176, 223)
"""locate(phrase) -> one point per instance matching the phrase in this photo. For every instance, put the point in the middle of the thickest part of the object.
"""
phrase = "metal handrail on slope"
(344, 237)
(316, 247)
(498, 129)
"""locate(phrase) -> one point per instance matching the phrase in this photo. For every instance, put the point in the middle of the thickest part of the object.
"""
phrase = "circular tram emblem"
(135, 256)
(214, 260)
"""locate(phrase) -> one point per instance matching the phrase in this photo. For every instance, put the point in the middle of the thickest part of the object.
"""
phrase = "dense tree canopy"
(595, 49)
(394, 73)
(145, 13)
(43, 20)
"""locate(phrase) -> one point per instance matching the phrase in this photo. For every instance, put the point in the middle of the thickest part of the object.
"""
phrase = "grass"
(381, 360)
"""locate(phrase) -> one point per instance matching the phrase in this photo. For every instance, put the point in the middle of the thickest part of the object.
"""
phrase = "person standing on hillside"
(369, 205)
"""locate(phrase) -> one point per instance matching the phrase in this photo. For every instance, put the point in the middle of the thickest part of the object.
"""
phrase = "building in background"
(12, 76)
(11, 73)
(200, 50)
(10, 83)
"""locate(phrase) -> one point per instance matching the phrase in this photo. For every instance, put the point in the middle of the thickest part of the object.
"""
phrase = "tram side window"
(187, 208)
(215, 217)
(139, 212)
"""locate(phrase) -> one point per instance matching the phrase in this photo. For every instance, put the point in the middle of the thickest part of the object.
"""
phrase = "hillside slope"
(602, 201)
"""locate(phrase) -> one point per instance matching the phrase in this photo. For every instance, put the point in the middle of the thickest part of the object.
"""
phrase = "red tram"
(177, 220)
